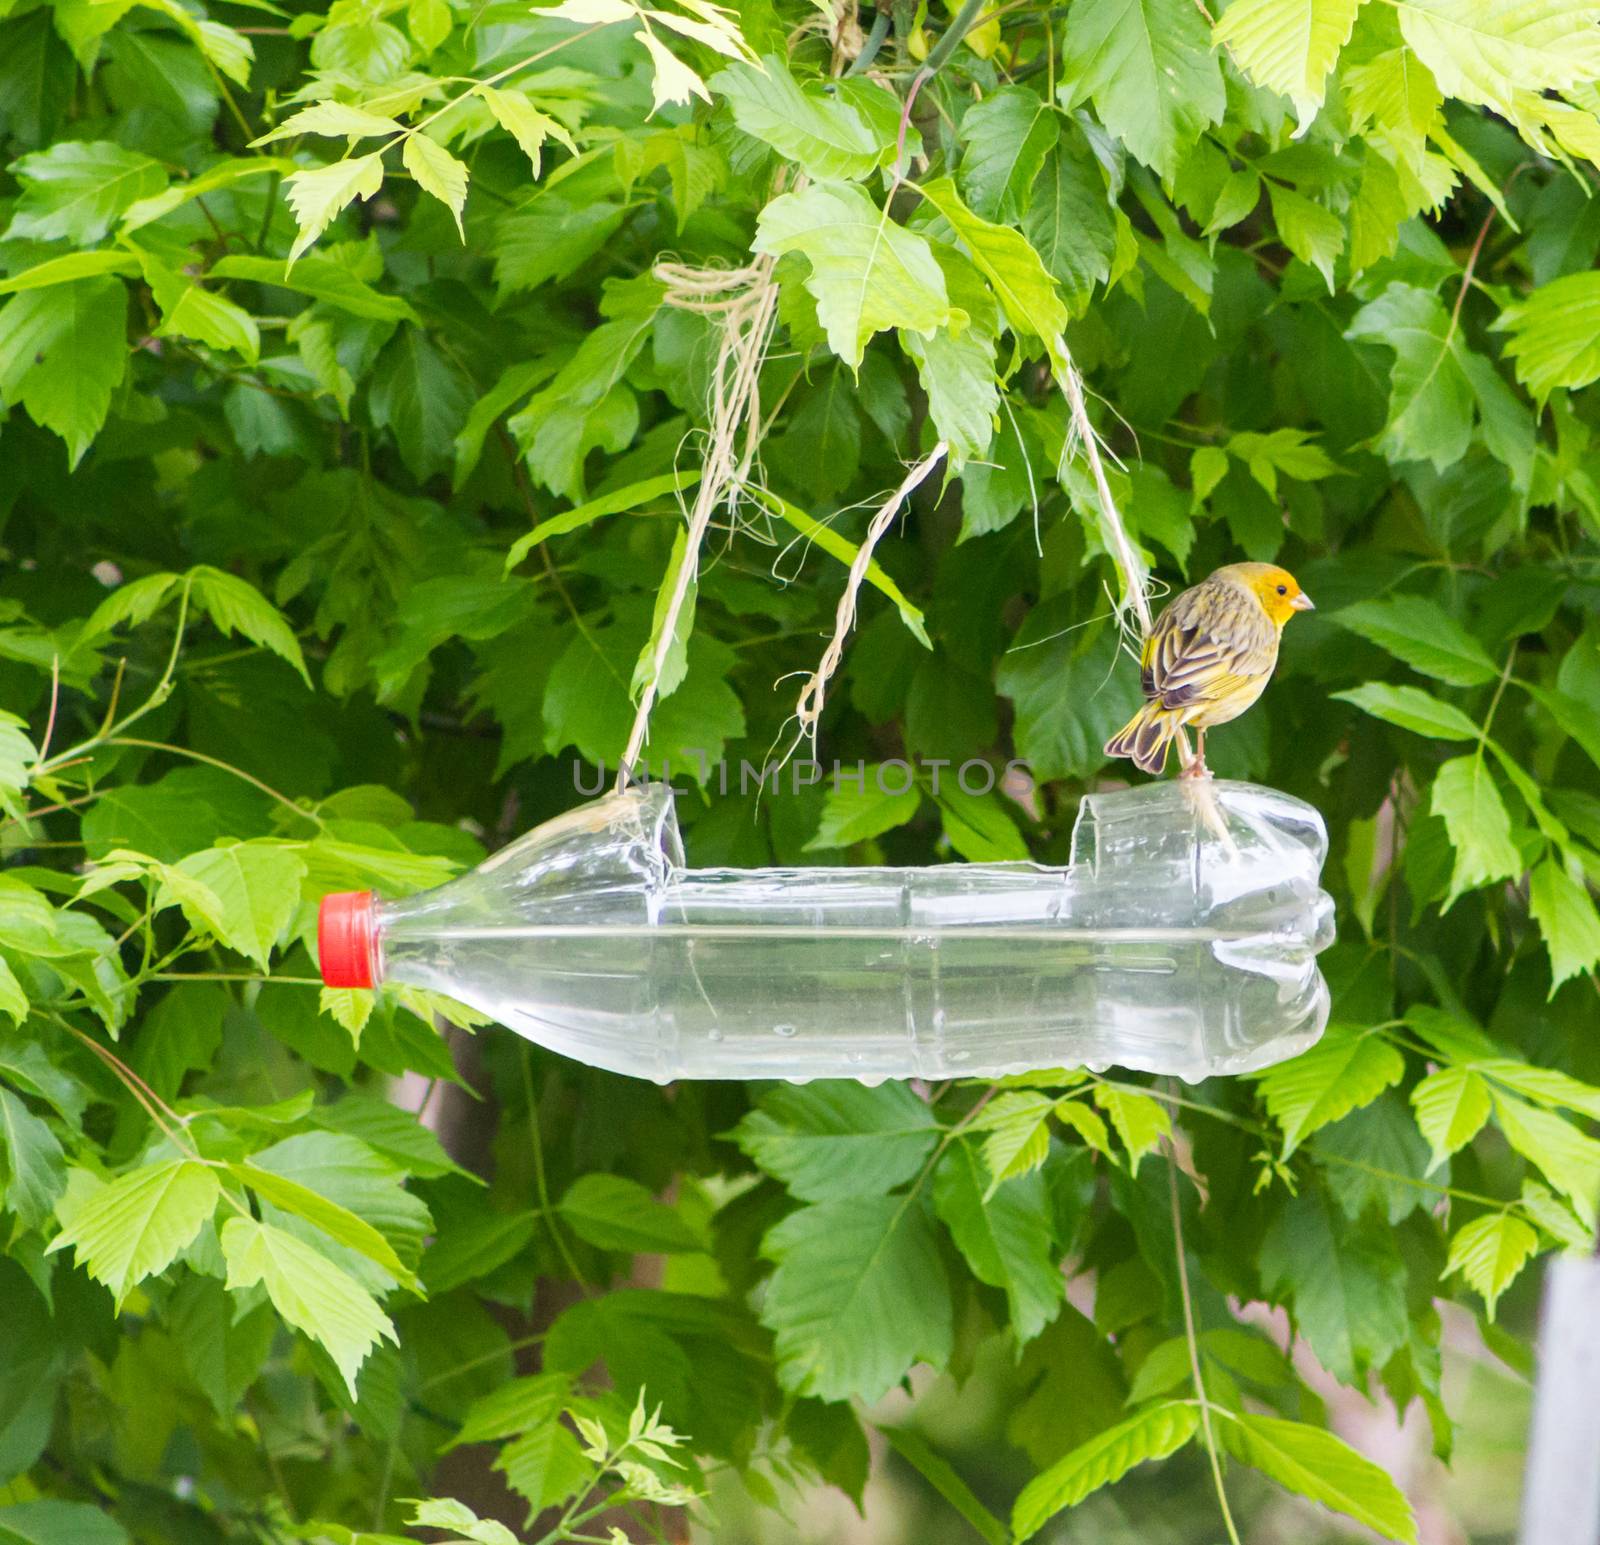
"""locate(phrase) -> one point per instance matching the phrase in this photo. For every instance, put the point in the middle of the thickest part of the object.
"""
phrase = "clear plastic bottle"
(1181, 939)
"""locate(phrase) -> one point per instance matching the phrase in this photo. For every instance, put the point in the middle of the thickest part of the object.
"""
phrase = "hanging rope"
(745, 300)
(808, 710)
(1135, 575)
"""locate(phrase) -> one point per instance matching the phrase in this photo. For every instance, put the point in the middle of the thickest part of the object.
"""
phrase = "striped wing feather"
(1212, 645)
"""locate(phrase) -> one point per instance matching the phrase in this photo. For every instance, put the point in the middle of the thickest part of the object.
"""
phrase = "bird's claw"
(1196, 769)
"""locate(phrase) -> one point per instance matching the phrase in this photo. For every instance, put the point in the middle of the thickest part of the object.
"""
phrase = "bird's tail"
(1145, 737)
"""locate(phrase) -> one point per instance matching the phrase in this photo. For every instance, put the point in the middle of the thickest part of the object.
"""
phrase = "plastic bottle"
(1181, 939)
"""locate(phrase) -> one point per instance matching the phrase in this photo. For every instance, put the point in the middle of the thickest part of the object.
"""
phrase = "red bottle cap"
(344, 939)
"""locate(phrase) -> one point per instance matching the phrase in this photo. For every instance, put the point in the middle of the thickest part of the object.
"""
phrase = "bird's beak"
(1303, 603)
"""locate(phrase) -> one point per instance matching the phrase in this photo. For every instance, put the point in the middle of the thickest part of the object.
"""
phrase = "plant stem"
(547, 1212)
(948, 42)
(869, 50)
(1194, 1343)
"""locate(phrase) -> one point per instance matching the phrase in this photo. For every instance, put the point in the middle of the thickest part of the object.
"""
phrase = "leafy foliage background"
(359, 363)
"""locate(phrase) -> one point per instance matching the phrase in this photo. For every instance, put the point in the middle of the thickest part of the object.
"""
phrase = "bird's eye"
(1283, 590)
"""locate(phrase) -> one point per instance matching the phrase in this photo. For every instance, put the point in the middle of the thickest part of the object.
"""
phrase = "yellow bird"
(1208, 658)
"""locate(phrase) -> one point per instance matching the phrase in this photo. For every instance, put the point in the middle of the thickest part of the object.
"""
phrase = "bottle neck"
(347, 939)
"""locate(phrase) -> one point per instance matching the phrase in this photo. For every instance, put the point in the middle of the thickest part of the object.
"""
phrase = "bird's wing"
(1206, 645)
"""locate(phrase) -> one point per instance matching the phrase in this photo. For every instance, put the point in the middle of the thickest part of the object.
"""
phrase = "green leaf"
(1103, 1460)
(519, 1406)
(1465, 795)
(36, 1170)
(1568, 1159)
(1555, 334)
(18, 759)
(422, 398)
(1313, 1463)
(1069, 700)
(335, 1221)
(1455, 1037)
(63, 350)
(308, 1290)
(1411, 709)
(978, 825)
(350, 1006)
(1288, 451)
(476, 1249)
(1078, 1116)
(1451, 1106)
(236, 606)
(1312, 232)
(1430, 397)
(858, 809)
(1544, 1086)
(587, 703)
(1556, 1218)
(223, 175)
(1005, 1236)
(857, 1297)
(1576, 718)
(137, 1225)
(842, 548)
(447, 1513)
(75, 265)
(1565, 912)
(1150, 69)
(429, 22)
(674, 657)
(837, 1138)
(1494, 51)
(75, 190)
(1489, 1252)
(190, 311)
(343, 1170)
(843, 136)
(1071, 221)
(180, 1035)
(515, 383)
(49, 1521)
(867, 273)
(1018, 1124)
(1288, 46)
(164, 822)
(13, 1000)
(1024, 288)
(551, 238)
(1163, 1369)
(1344, 1283)
(525, 123)
(957, 371)
(1140, 1121)
(334, 119)
(318, 195)
(1424, 635)
(394, 1134)
(320, 278)
(1005, 139)
(937, 1471)
(612, 1212)
(258, 886)
(437, 172)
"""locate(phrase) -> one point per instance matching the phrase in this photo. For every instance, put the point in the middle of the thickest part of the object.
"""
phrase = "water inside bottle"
(1178, 941)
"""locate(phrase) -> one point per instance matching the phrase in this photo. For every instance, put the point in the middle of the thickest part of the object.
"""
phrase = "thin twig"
(1194, 1343)
(55, 703)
